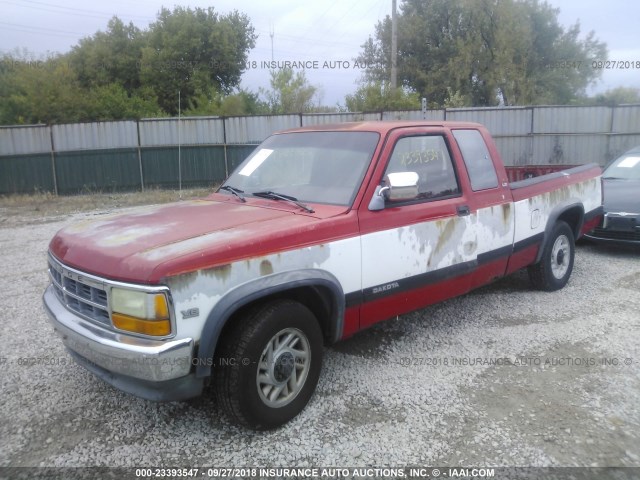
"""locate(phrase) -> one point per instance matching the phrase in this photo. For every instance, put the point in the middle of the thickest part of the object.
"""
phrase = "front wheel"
(553, 270)
(269, 364)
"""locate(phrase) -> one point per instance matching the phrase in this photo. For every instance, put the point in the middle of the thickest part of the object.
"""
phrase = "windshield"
(317, 167)
(626, 167)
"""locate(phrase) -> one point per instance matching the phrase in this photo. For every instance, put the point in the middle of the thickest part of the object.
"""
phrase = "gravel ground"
(504, 376)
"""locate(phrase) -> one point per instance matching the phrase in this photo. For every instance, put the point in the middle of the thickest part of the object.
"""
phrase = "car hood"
(148, 244)
(621, 195)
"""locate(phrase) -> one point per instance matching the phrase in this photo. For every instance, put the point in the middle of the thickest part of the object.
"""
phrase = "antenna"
(394, 46)
(179, 159)
(271, 33)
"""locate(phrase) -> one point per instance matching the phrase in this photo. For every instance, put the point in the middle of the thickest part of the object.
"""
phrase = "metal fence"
(129, 155)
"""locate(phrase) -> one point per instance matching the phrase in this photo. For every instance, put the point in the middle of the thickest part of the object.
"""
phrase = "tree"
(617, 96)
(486, 52)
(112, 102)
(110, 57)
(126, 72)
(193, 51)
(378, 96)
(36, 90)
(290, 92)
(49, 91)
(213, 102)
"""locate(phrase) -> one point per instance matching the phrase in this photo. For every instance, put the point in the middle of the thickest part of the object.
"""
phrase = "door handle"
(463, 210)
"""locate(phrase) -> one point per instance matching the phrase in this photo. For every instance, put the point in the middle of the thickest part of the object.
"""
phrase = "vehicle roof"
(381, 127)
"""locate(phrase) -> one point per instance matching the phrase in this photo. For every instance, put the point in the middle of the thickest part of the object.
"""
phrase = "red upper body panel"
(149, 244)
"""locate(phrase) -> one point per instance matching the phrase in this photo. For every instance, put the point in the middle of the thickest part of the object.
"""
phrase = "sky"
(325, 34)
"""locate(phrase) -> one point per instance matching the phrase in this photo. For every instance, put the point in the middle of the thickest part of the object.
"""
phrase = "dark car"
(621, 190)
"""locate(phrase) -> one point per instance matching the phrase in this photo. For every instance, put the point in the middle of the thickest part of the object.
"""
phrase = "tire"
(268, 364)
(553, 270)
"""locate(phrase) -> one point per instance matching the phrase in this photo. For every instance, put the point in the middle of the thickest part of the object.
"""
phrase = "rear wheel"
(269, 364)
(553, 270)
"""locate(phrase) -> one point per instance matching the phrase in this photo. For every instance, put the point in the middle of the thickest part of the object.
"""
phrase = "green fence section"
(132, 155)
(97, 170)
(26, 173)
(118, 169)
(201, 166)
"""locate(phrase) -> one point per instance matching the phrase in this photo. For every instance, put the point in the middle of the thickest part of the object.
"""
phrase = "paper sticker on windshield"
(255, 162)
(629, 162)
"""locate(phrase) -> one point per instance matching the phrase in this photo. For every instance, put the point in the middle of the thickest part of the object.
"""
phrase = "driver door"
(417, 251)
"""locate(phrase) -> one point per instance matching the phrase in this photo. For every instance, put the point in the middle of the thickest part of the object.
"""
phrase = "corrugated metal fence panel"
(515, 150)
(328, 118)
(202, 166)
(256, 129)
(93, 156)
(499, 121)
(95, 136)
(431, 115)
(626, 119)
(26, 173)
(618, 144)
(193, 131)
(570, 149)
(97, 170)
(25, 140)
(572, 119)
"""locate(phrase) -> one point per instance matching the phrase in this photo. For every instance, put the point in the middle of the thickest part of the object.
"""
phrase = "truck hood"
(149, 244)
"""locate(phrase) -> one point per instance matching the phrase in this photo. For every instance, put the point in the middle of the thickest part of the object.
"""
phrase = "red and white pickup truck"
(319, 233)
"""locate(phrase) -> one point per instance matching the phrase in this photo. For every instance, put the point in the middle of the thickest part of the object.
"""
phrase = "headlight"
(140, 312)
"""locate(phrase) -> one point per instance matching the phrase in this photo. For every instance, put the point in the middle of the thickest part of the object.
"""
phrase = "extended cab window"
(477, 159)
(429, 157)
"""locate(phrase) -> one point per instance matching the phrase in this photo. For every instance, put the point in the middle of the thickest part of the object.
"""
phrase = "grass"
(47, 204)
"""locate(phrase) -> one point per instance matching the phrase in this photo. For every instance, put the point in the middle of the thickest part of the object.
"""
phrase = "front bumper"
(617, 228)
(153, 369)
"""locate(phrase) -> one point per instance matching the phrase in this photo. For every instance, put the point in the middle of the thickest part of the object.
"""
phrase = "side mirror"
(399, 186)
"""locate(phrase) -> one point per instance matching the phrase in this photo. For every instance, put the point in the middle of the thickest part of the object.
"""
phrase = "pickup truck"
(321, 232)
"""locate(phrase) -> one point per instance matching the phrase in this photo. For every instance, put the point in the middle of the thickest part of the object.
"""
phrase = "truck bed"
(524, 172)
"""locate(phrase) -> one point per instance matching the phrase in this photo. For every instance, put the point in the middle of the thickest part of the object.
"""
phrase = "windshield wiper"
(236, 191)
(278, 196)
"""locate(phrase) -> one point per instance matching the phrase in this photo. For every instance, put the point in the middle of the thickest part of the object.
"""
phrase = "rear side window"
(477, 159)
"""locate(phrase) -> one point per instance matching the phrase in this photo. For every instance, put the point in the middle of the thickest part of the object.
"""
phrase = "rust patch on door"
(446, 228)
(506, 213)
(470, 247)
(221, 272)
(266, 268)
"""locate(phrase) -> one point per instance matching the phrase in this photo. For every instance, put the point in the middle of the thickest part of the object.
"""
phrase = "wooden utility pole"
(394, 46)
(179, 157)
(271, 33)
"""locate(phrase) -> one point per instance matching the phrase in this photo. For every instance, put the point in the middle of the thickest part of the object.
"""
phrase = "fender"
(263, 287)
(557, 212)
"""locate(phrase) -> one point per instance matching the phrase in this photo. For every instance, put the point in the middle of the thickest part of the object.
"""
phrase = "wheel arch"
(572, 213)
(318, 290)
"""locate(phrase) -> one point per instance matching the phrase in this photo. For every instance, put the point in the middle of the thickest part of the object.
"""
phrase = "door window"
(428, 156)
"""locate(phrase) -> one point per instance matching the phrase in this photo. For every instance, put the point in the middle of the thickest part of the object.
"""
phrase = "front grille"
(609, 234)
(80, 294)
